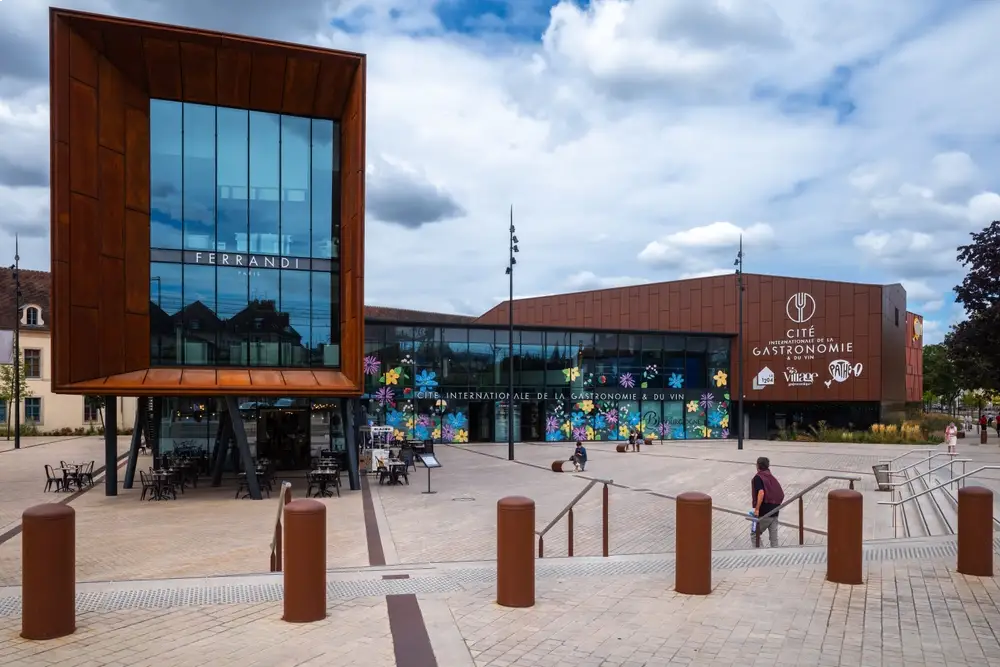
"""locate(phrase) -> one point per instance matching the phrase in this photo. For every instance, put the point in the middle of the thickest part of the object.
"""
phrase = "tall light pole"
(739, 345)
(510, 339)
(17, 345)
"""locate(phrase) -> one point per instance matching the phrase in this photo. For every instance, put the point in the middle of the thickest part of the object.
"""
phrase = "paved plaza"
(412, 581)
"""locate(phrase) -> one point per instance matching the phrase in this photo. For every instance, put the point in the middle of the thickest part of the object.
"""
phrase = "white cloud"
(588, 280)
(623, 129)
(919, 290)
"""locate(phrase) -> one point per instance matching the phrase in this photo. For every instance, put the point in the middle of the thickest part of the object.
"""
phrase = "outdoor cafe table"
(71, 474)
(325, 476)
(396, 468)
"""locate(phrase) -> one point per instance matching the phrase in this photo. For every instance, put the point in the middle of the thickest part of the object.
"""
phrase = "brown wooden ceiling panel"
(198, 71)
(301, 75)
(60, 199)
(299, 379)
(198, 377)
(163, 68)
(332, 88)
(266, 378)
(163, 377)
(60, 313)
(331, 379)
(267, 80)
(232, 78)
(124, 49)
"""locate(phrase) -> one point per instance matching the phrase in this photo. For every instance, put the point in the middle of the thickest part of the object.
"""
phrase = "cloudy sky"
(635, 139)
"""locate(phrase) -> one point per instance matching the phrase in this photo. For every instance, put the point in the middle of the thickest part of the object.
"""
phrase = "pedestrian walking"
(767, 497)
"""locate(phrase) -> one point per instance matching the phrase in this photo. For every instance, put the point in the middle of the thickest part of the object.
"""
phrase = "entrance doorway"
(531, 422)
(283, 437)
(481, 421)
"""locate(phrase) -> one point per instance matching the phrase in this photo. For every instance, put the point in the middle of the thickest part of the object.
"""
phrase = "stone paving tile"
(22, 472)
(906, 614)
(205, 532)
(355, 633)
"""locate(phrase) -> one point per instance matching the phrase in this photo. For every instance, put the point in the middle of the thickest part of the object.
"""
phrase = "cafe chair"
(51, 479)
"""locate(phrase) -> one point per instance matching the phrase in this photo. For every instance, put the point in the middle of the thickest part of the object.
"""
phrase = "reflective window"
(244, 236)
(165, 174)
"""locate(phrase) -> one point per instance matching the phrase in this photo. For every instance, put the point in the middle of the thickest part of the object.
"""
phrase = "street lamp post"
(510, 339)
(740, 288)
(17, 345)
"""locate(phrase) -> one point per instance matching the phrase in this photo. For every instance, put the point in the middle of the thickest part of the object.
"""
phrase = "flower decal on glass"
(650, 372)
(665, 430)
(391, 376)
(725, 433)
(385, 396)
(447, 433)
(705, 432)
(707, 400)
(585, 406)
(461, 435)
(580, 433)
(371, 364)
(612, 417)
(600, 421)
(426, 380)
(675, 381)
(714, 419)
(441, 404)
(571, 374)
(551, 424)
(724, 422)
(692, 406)
(626, 380)
(456, 421)
(720, 378)
(407, 360)
(603, 379)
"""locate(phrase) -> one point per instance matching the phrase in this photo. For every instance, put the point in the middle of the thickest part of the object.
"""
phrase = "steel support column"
(351, 408)
(222, 436)
(110, 446)
(243, 446)
(138, 433)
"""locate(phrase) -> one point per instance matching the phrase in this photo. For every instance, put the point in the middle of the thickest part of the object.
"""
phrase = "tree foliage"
(941, 379)
(8, 386)
(974, 345)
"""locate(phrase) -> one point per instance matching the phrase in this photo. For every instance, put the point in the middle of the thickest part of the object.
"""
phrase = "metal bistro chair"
(51, 479)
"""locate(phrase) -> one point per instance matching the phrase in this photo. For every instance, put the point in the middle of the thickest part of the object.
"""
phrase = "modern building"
(208, 233)
(42, 411)
(659, 357)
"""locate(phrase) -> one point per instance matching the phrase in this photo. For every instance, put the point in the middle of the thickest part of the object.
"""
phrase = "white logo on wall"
(801, 307)
(765, 378)
(842, 370)
(796, 379)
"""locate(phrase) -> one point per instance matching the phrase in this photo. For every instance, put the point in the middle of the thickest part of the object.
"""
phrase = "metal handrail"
(905, 454)
(798, 497)
(284, 497)
(927, 461)
(568, 510)
(896, 503)
(928, 472)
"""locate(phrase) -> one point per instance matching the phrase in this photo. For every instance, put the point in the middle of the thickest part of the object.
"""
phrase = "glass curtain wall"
(450, 383)
(244, 238)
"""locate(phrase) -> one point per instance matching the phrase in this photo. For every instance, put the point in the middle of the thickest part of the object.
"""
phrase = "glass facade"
(450, 383)
(244, 238)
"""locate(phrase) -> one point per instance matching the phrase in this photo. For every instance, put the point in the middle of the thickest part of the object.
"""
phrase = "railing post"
(541, 546)
(802, 523)
(569, 533)
(604, 511)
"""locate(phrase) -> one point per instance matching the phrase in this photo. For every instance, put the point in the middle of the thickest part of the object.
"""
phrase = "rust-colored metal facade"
(103, 72)
(914, 358)
(853, 323)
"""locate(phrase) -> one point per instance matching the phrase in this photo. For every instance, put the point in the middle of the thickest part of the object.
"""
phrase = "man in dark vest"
(767, 496)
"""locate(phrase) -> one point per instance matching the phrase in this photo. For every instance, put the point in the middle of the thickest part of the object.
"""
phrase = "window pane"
(265, 182)
(325, 190)
(199, 177)
(165, 172)
(165, 321)
(200, 322)
(267, 326)
(232, 300)
(233, 170)
(295, 287)
(295, 198)
(321, 317)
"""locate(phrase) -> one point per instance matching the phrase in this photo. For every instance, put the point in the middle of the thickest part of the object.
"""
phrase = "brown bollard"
(620, 448)
(557, 466)
(516, 552)
(693, 550)
(844, 514)
(48, 571)
(305, 561)
(975, 531)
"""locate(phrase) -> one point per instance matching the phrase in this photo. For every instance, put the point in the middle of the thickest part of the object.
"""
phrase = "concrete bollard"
(516, 552)
(620, 448)
(844, 515)
(983, 432)
(557, 466)
(48, 571)
(693, 550)
(975, 531)
(305, 561)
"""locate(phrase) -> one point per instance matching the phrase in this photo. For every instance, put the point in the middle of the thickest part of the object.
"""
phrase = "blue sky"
(636, 139)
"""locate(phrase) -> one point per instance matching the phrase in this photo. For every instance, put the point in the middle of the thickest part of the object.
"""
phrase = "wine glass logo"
(801, 307)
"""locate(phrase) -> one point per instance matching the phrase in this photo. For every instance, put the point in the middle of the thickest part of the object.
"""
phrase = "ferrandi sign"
(802, 342)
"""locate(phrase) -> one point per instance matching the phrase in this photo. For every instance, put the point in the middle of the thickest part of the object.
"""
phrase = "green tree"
(940, 375)
(8, 387)
(95, 404)
(974, 345)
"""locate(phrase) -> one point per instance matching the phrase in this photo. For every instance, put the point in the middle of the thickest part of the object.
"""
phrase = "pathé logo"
(800, 307)
(841, 370)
